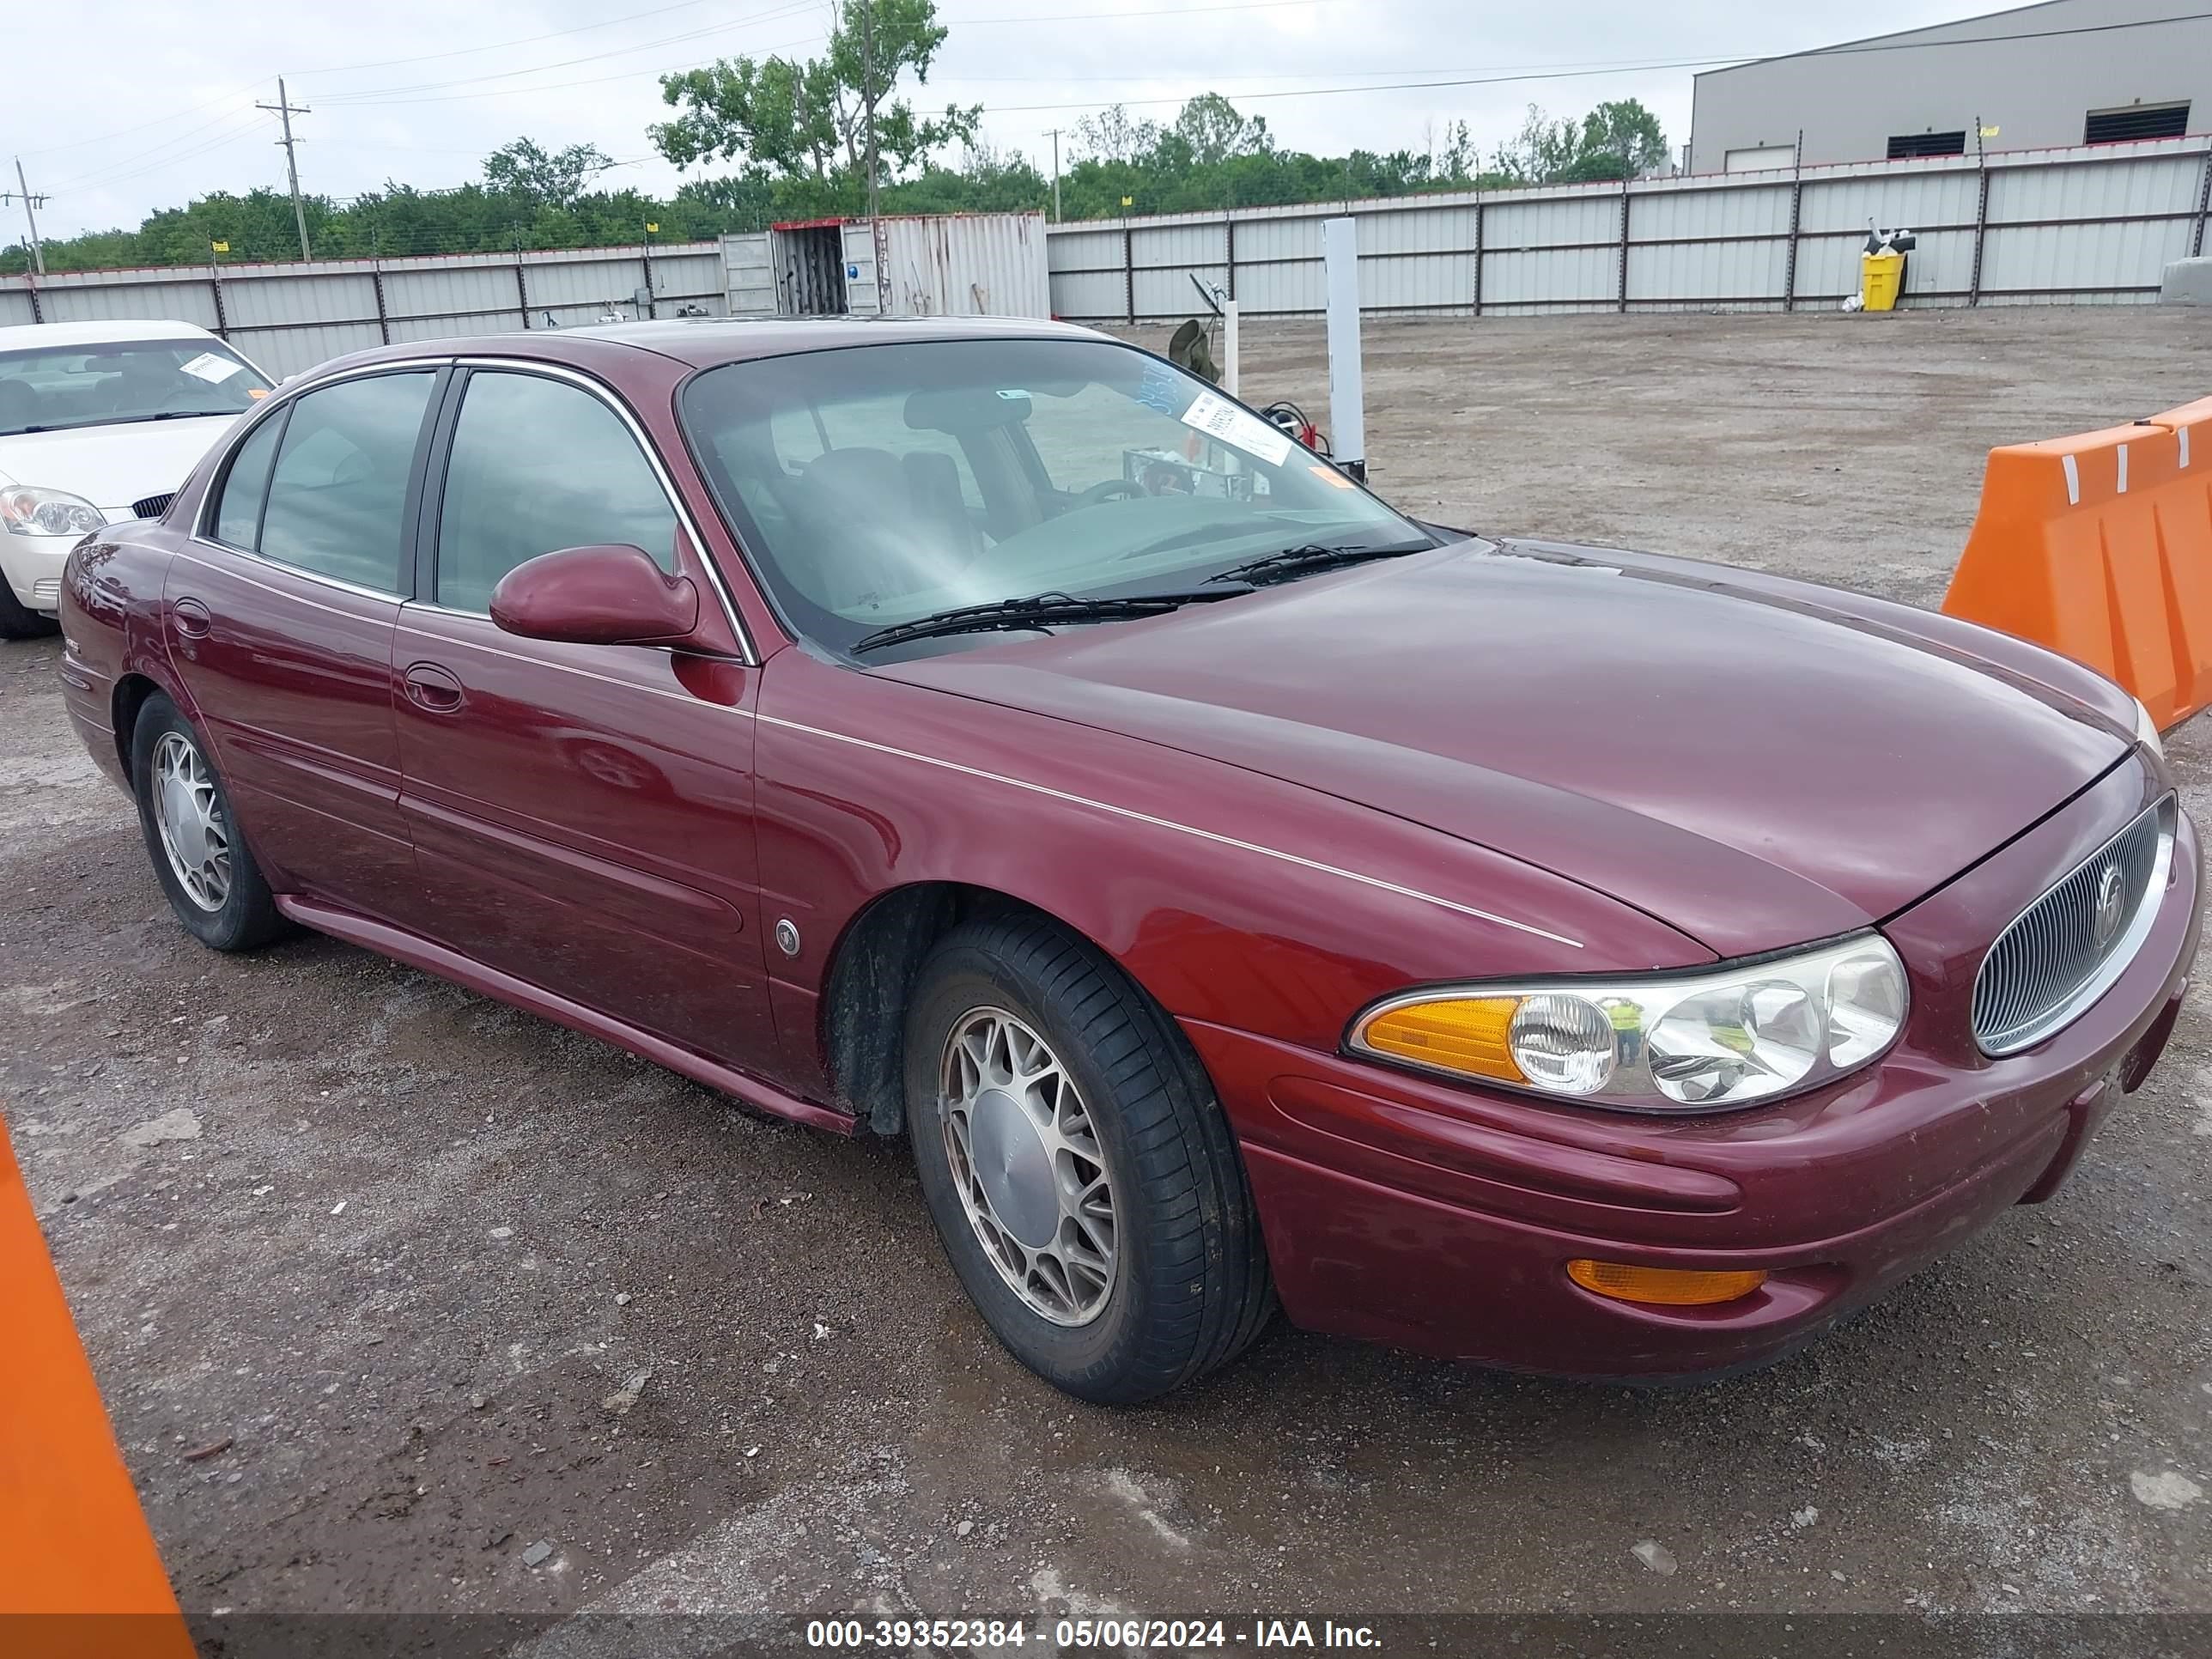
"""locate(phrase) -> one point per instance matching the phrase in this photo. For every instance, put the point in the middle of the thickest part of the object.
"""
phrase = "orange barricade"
(2100, 546)
(79, 1574)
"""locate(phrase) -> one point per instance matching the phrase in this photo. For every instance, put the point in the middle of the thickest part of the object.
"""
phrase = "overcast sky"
(424, 91)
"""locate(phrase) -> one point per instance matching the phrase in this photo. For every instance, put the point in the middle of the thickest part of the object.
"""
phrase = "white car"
(97, 421)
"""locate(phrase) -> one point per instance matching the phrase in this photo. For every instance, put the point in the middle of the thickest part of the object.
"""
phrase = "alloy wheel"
(1025, 1159)
(190, 818)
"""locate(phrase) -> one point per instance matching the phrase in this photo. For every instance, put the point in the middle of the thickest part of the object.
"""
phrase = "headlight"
(28, 512)
(1710, 1039)
(2147, 731)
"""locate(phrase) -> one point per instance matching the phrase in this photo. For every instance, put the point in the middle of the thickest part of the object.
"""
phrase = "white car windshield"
(876, 484)
(54, 388)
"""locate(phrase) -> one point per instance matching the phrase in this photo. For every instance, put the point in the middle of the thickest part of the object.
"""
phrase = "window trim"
(203, 515)
(434, 490)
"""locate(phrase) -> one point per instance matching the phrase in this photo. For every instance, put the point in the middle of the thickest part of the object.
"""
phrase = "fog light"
(1663, 1287)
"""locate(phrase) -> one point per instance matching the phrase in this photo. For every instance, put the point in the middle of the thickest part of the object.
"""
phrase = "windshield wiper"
(1039, 611)
(1297, 560)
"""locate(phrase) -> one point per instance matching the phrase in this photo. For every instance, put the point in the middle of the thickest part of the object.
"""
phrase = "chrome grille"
(2065, 949)
(153, 506)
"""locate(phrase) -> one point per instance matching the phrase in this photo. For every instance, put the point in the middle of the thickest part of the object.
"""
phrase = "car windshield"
(55, 388)
(876, 484)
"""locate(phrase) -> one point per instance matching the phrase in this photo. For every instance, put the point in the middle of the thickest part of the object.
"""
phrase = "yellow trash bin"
(1881, 276)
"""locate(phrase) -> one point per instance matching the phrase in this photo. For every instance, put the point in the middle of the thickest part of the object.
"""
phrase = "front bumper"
(32, 565)
(1441, 1218)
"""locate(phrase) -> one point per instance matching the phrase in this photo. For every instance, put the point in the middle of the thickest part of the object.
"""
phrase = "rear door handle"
(190, 618)
(432, 689)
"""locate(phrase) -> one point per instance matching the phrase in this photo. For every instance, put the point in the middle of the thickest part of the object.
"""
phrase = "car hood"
(1755, 768)
(111, 467)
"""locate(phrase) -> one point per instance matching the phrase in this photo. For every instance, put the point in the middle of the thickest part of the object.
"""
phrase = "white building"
(2066, 72)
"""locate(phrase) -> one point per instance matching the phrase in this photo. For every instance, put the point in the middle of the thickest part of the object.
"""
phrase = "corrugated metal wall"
(2032, 227)
(290, 317)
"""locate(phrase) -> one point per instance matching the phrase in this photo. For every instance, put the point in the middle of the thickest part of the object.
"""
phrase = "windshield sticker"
(1219, 418)
(211, 368)
(1329, 475)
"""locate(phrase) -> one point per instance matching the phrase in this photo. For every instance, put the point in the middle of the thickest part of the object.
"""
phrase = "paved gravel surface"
(494, 1318)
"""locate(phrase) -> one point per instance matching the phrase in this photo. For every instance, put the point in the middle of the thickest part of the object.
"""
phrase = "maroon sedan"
(1577, 960)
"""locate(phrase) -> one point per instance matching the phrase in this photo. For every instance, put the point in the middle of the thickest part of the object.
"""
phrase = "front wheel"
(1081, 1175)
(18, 620)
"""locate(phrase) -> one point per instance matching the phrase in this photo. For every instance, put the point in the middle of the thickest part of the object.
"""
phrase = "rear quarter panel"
(113, 633)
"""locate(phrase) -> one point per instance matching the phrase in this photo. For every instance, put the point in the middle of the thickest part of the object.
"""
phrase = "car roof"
(705, 341)
(109, 331)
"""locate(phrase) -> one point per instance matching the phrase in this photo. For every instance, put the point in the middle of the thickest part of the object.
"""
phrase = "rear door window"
(338, 494)
(246, 486)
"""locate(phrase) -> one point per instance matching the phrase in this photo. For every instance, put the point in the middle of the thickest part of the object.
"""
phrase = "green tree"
(808, 120)
(1210, 125)
(523, 169)
(1624, 135)
(1115, 135)
(1617, 140)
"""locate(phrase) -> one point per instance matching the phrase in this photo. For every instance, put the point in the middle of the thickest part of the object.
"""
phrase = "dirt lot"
(455, 1284)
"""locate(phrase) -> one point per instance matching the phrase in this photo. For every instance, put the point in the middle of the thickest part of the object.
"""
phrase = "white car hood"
(111, 467)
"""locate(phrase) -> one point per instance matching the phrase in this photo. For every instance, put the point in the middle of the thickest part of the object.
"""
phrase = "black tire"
(19, 621)
(1190, 1287)
(247, 917)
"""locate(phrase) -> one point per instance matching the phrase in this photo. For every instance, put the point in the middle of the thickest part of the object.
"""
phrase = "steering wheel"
(1107, 490)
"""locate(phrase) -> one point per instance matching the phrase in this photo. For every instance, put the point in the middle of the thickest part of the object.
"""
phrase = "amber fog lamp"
(1662, 1287)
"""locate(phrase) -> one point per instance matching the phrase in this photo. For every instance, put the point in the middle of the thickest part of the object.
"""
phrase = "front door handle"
(190, 618)
(432, 689)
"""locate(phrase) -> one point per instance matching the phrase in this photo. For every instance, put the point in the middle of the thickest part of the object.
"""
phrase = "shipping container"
(959, 264)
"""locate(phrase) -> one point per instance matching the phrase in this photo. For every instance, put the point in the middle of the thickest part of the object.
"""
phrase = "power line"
(368, 95)
(502, 46)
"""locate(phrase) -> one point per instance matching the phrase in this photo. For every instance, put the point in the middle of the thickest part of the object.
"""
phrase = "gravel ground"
(493, 1318)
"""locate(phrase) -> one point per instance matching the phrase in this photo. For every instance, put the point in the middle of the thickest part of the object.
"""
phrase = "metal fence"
(290, 317)
(2094, 225)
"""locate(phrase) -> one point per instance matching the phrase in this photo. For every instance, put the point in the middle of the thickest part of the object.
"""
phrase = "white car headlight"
(27, 511)
(2147, 731)
(1700, 1041)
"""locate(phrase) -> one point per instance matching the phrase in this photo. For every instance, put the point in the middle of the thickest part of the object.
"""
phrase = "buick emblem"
(2105, 919)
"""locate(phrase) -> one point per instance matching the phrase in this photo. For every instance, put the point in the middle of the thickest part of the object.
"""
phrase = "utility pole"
(868, 92)
(30, 204)
(1055, 174)
(286, 109)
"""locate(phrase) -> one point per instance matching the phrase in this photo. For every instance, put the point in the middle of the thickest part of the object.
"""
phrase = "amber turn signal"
(1662, 1287)
(1461, 1033)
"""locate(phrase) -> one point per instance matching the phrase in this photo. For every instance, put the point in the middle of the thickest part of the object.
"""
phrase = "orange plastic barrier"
(2100, 546)
(79, 1574)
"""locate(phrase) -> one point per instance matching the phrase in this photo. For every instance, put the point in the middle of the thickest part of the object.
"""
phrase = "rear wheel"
(201, 861)
(18, 620)
(1083, 1180)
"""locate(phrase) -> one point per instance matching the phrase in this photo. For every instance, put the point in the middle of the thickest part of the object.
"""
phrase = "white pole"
(1228, 347)
(1347, 421)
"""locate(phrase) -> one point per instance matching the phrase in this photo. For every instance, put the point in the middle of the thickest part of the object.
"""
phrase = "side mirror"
(611, 595)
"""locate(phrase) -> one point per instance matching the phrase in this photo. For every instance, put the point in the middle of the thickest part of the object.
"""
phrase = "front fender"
(1233, 898)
